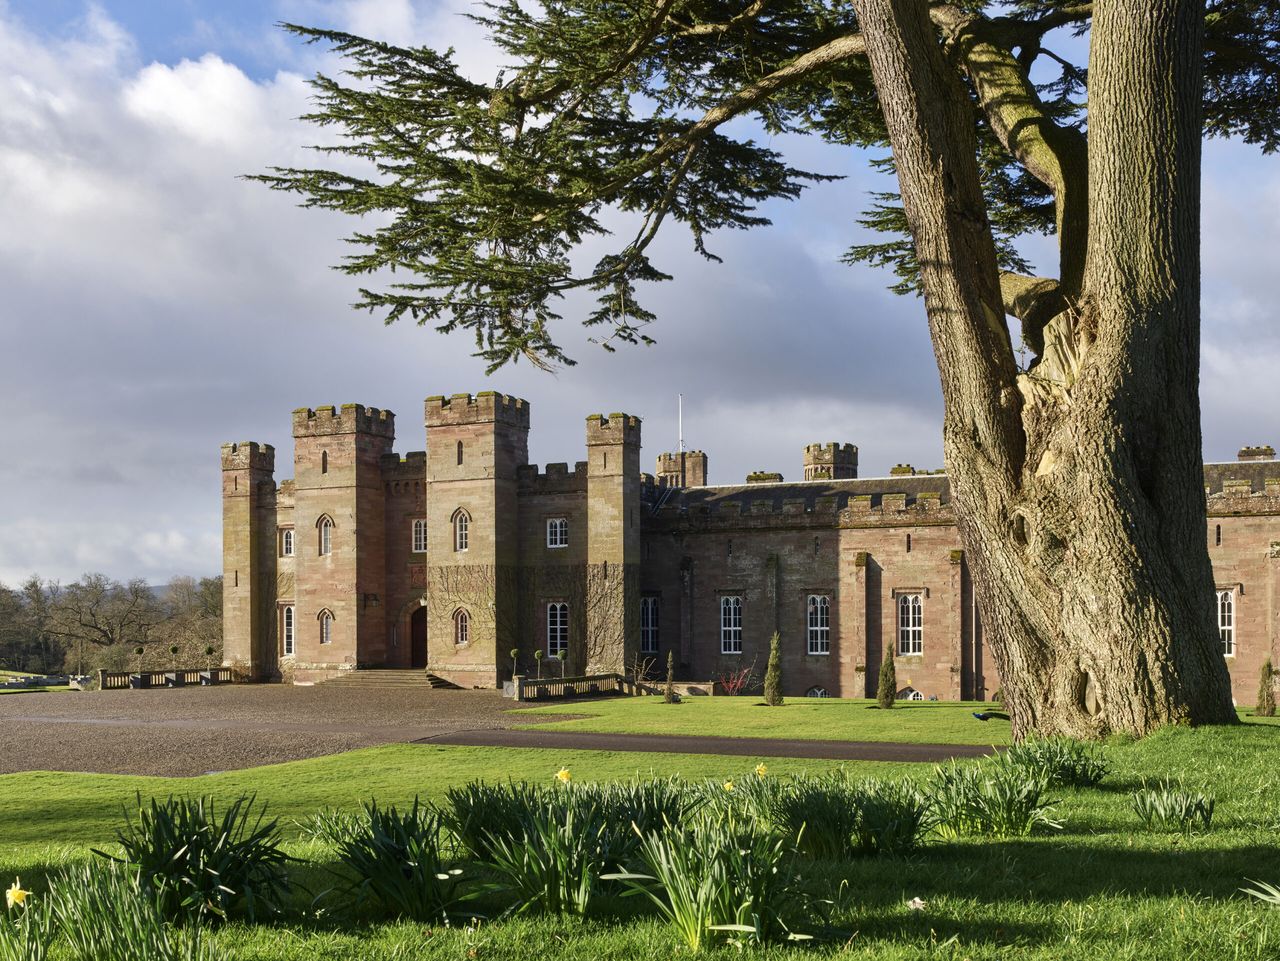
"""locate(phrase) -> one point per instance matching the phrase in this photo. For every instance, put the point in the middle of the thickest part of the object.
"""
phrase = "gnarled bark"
(1078, 494)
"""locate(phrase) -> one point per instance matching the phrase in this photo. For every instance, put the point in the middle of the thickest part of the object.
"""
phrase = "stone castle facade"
(451, 559)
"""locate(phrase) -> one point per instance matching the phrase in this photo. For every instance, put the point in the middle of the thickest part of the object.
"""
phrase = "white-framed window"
(461, 530)
(419, 536)
(557, 628)
(286, 542)
(816, 692)
(648, 625)
(910, 624)
(1227, 621)
(326, 627)
(819, 623)
(461, 628)
(286, 630)
(915, 696)
(557, 532)
(731, 625)
(326, 536)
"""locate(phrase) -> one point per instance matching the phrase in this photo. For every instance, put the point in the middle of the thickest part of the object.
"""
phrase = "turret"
(612, 603)
(248, 556)
(687, 468)
(830, 462)
(475, 448)
(339, 528)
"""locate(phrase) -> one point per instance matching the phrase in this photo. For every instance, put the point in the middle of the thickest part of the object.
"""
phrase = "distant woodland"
(96, 622)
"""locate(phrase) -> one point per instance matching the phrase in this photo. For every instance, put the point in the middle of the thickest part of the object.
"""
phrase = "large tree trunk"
(1078, 485)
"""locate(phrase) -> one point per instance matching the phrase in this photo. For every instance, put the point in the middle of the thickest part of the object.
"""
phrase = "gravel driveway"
(195, 730)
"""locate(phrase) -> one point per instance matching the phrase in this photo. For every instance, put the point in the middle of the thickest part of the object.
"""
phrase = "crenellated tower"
(339, 537)
(474, 447)
(612, 596)
(686, 468)
(830, 462)
(248, 557)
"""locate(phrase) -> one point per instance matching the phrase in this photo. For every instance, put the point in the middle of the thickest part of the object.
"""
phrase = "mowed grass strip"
(816, 718)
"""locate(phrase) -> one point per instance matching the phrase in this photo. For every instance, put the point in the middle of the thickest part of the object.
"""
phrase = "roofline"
(820, 480)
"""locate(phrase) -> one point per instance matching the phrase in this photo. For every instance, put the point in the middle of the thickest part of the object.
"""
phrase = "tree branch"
(1055, 155)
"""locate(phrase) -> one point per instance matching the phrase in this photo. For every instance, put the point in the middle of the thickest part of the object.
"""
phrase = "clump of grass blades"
(992, 797)
(478, 811)
(554, 843)
(1060, 760)
(27, 930)
(107, 912)
(833, 817)
(399, 859)
(553, 864)
(199, 865)
(1169, 806)
(331, 826)
(718, 877)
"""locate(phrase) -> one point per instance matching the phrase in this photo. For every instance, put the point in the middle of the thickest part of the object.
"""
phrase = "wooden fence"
(120, 680)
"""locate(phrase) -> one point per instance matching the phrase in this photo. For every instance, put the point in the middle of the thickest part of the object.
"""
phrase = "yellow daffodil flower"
(563, 775)
(728, 785)
(761, 770)
(16, 895)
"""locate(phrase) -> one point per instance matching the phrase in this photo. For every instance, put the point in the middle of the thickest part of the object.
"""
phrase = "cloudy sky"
(153, 306)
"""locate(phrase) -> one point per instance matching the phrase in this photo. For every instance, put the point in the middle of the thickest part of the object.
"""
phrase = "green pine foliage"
(887, 691)
(773, 674)
(1266, 704)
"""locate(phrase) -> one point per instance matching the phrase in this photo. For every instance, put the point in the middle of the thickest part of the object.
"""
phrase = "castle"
(453, 559)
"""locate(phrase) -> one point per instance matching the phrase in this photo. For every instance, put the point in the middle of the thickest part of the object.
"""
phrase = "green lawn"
(1101, 888)
(936, 722)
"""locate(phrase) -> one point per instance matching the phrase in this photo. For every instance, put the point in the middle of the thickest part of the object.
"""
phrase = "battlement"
(347, 419)
(830, 461)
(1264, 452)
(412, 464)
(614, 429)
(902, 470)
(764, 477)
(556, 477)
(249, 455)
(486, 407)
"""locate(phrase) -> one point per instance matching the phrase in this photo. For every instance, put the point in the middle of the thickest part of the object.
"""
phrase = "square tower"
(613, 543)
(474, 447)
(339, 537)
(248, 557)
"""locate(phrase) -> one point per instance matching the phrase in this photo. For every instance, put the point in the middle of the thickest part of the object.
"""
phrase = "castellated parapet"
(347, 419)
(830, 462)
(614, 429)
(485, 407)
(249, 455)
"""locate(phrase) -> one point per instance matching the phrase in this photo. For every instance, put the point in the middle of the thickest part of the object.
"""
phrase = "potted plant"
(537, 656)
(173, 678)
(139, 681)
(562, 656)
(515, 662)
(207, 677)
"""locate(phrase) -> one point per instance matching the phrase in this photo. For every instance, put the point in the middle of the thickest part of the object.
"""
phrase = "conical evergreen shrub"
(1266, 706)
(773, 674)
(887, 691)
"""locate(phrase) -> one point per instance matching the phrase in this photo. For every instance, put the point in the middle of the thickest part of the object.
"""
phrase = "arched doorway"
(418, 638)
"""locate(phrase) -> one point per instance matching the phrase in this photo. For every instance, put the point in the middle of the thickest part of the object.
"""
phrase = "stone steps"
(393, 678)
